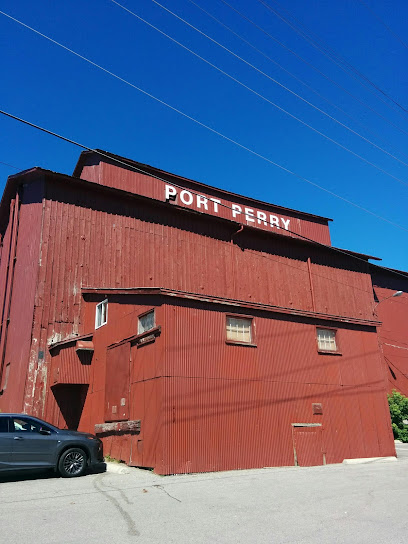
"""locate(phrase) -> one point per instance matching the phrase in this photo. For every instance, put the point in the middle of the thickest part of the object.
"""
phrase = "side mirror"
(44, 431)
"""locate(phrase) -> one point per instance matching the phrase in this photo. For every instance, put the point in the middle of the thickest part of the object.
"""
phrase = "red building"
(391, 308)
(192, 328)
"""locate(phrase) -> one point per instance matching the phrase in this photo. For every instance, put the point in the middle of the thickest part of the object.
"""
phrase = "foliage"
(109, 459)
(399, 412)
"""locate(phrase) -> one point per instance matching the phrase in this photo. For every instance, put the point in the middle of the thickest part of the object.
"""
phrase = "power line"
(383, 23)
(10, 165)
(145, 172)
(325, 76)
(270, 59)
(357, 73)
(140, 170)
(262, 97)
(259, 71)
(185, 115)
(199, 122)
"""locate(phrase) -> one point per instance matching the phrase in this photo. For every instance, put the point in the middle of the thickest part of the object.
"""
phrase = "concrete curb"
(362, 460)
(117, 468)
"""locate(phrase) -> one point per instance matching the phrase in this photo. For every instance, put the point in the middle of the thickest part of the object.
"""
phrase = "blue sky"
(51, 87)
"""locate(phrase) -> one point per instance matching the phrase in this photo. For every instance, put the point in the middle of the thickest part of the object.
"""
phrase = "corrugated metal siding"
(22, 283)
(117, 383)
(393, 333)
(222, 425)
(134, 182)
(308, 445)
(91, 239)
(229, 407)
(341, 284)
(124, 246)
(206, 405)
(70, 367)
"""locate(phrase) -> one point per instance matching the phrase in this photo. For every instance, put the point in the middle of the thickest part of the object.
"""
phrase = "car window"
(3, 425)
(27, 425)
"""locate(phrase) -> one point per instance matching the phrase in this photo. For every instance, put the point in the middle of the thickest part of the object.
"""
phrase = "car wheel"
(72, 463)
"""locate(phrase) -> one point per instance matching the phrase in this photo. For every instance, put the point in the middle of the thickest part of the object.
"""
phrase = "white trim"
(152, 311)
(393, 346)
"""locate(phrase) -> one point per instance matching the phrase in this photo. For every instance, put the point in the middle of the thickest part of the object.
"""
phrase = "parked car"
(27, 442)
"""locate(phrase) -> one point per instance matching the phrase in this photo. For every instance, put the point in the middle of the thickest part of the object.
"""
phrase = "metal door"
(308, 445)
(117, 383)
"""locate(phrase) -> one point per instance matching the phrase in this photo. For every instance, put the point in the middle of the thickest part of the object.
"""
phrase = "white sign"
(238, 212)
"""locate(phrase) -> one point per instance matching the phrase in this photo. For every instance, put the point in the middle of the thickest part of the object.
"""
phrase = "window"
(25, 424)
(146, 322)
(3, 424)
(326, 339)
(101, 317)
(239, 329)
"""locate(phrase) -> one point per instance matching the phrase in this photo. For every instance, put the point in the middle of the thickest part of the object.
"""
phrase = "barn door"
(308, 445)
(117, 383)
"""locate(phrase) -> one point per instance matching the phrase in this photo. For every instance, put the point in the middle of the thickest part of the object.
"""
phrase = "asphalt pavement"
(365, 503)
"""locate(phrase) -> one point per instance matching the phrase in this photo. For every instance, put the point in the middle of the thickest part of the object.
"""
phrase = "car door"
(31, 447)
(6, 443)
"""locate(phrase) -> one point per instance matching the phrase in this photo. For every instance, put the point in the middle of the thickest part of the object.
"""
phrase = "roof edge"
(199, 297)
(105, 155)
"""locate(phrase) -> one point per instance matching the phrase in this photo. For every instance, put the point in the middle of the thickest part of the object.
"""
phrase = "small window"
(146, 322)
(239, 329)
(326, 339)
(101, 317)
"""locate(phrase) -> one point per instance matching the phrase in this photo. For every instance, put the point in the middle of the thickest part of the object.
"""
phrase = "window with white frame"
(239, 329)
(101, 316)
(146, 322)
(326, 339)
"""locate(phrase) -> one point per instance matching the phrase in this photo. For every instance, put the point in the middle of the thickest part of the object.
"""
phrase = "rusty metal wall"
(18, 273)
(117, 383)
(207, 405)
(128, 180)
(92, 239)
(393, 332)
(69, 366)
(229, 406)
(218, 425)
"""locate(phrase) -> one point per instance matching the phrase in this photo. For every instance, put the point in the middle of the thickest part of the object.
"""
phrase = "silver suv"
(26, 442)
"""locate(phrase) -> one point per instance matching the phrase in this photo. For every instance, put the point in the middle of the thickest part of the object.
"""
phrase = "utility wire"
(199, 122)
(10, 165)
(340, 60)
(260, 72)
(185, 115)
(368, 129)
(141, 171)
(325, 76)
(262, 97)
(383, 23)
(147, 173)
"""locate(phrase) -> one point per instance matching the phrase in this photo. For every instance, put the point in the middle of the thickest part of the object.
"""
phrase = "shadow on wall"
(70, 399)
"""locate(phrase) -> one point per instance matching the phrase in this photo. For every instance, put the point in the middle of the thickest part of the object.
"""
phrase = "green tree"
(399, 412)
